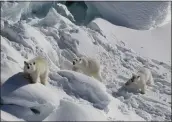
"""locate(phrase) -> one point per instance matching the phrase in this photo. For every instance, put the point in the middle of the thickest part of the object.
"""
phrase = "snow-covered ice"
(8, 117)
(141, 39)
(70, 111)
(137, 14)
(86, 88)
(73, 96)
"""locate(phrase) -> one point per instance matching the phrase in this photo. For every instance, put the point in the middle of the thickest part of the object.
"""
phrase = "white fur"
(88, 66)
(140, 80)
(38, 68)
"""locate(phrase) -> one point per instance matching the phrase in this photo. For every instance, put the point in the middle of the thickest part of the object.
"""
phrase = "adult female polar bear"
(140, 80)
(37, 68)
(88, 66)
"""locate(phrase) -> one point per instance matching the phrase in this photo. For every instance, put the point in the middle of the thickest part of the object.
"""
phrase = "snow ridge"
(72, 96)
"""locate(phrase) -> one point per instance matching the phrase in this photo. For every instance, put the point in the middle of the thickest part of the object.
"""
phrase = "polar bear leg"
(143, 88)
(74, 68)
(151, 81)
(44, 78)
(35, 77)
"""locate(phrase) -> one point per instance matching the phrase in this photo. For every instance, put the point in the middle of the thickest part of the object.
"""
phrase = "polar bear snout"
(130, 81)
(74, 62)
(77, 61)
(127, 83)
(29, 66)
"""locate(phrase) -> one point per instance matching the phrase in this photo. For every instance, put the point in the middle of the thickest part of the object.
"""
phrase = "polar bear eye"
(80, 59)
(34, 63)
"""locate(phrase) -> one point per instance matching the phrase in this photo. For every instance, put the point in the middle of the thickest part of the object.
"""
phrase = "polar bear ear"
(138, 77)
(80, 60)
(25, 63)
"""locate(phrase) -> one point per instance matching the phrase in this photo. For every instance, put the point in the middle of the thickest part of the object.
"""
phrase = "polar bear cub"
(88, 66)
(37, 68)
(140, 80)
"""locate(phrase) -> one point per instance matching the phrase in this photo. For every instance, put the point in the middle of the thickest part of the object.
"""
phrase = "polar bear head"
(29, 67)
(75, 60)
(80, 62)
(133, 79)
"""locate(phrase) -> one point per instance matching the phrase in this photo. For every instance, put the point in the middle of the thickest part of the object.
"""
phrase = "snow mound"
(8, 117)
(32, 39)
(56, 38)
(121, 110)
(135, 15)
(62, 9)
(28, 114)
(55, 19)
(141, 46)
(8, 60)
(13, 11)
(85, 87)
(93, 25)
(69, 111)
(18, 91)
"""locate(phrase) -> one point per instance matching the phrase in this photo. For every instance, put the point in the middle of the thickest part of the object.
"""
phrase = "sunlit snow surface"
(142, 15)
(69, 95)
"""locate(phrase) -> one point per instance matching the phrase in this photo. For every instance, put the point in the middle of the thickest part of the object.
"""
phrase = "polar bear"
(37, 68)
(140, 80)
(88, 66)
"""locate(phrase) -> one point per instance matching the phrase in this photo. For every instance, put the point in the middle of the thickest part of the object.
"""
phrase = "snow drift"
(69, 95)
(69, 111)
(5, 115)
(86, 88)
(136, 14)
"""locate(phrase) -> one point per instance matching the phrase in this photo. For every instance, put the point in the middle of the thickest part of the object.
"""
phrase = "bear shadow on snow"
(14, 82)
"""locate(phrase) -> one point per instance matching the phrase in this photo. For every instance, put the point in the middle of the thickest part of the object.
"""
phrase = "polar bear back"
(93, 65)
(41, 64)
(90, 66)
(144, 74)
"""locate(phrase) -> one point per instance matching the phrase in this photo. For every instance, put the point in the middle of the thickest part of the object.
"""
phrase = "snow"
(5, 115)
(16, 90)
(140, 42)
(64, 11)
(69, 111)
(137, 15)
(73, 96)
(86, 88)
(13, 11)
